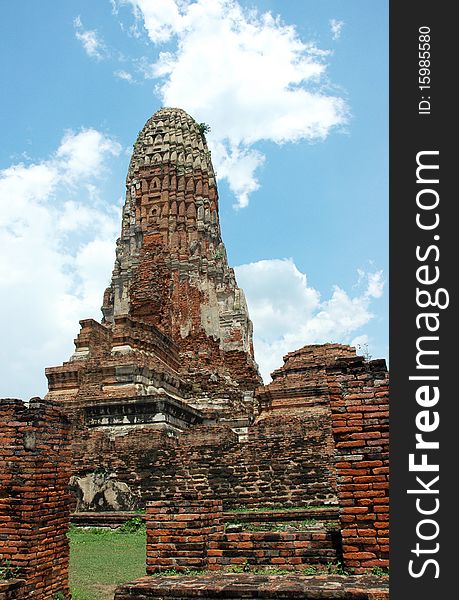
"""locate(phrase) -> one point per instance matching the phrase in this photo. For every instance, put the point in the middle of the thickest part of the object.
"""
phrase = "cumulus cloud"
(288, 313)
(247, 74)
(336, 28)
(57, 249)
(89, 38)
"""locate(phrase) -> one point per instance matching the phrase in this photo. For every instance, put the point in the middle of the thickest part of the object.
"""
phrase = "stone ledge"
(12, 589)
(116, 519)
(238, 586)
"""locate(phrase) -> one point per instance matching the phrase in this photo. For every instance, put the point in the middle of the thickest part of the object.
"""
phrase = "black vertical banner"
(424, 261)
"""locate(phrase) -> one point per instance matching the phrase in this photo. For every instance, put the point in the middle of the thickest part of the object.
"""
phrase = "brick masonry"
(288, 463)
(286, 550)
(34, 500)
(118, 518)
(359, 400)
(190, 534)
(179, 533)
(236, 587)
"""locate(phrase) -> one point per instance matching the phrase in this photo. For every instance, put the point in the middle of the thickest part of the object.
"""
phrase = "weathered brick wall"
(189, 534)
(126, 458)
(34, 501)
(284, 462)
(359, 399)
(287, 550)
(178, 533)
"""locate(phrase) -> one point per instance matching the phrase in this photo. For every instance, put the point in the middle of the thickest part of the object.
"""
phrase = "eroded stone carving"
(102, 491)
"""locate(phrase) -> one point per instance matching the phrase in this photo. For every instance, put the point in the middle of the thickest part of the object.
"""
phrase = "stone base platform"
(246, 586)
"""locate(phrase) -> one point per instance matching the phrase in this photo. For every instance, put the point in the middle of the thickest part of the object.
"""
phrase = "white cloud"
(375, 284)
(161, 18)
(336, 28)
(56, 254)
(287, 313)
(125, 75)
(89, 39)
(247, 74)
(82, 155)
(237, 165)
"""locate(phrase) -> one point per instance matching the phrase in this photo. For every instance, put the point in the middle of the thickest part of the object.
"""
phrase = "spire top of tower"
(171, 137)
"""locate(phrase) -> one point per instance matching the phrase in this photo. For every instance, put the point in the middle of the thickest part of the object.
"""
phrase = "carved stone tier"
(160, 412)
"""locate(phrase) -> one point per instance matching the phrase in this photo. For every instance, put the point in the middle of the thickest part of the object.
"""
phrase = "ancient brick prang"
(171, 268)
(34, 499)
(175, 324)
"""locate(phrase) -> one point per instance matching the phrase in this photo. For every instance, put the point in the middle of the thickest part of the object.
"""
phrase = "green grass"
(101, 559)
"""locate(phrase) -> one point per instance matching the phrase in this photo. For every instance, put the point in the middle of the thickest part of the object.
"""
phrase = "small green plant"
(7, 571)
(203, 128)
(283, 526)
(331, 525)
(132, 525)
(241, 568)
(193, 572)
(310, 570)
(59, 596)
(307, 523)
(271, 571)
(236, 569)
(175, 573)
(167, 573)
(380, 571)
(338, 569)
(363, 348)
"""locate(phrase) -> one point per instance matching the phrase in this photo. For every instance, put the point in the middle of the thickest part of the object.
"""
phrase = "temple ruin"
(166, 411)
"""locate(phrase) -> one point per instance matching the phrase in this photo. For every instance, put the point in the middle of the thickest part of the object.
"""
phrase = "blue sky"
(296, 94)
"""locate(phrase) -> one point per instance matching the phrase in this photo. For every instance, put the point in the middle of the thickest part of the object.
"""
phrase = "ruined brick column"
(178, 533)
(359, 400)
(34, 501)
